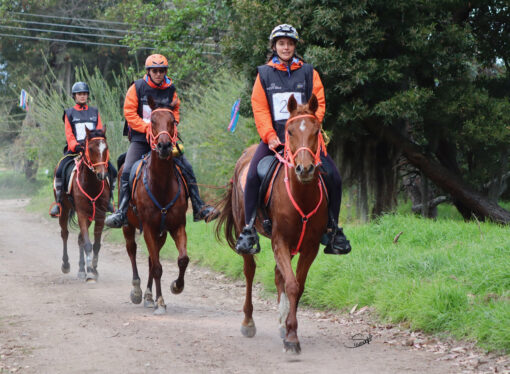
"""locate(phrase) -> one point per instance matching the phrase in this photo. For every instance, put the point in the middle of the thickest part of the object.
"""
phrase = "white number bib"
(80, 129)
(280, 101)
(147, 111)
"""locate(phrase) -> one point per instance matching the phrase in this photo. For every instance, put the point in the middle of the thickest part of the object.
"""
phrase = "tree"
(400, 76)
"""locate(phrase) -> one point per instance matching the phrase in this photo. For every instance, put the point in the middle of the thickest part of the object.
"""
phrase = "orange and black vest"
(162, 97)
(79, 119)
(279, 85)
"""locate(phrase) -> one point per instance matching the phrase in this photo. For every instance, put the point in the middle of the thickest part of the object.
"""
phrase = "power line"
(64, 32)
(74, 26)
(71, 41)
(92, 43)
(77, 19)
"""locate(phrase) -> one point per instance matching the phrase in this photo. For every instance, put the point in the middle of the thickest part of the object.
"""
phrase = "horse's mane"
(301, 109)
(97, 133)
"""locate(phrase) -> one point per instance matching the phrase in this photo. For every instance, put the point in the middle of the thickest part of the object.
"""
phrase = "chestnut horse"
(89, 200)
(158, 206)
(297, 209)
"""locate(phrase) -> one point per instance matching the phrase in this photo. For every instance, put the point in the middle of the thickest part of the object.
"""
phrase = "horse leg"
(81, 272)
(154, 243)
(87, 247)
(98, 230)
(180, 238)
(283, 258)
(64, 234)
(148, 301)
(129, 236)
(248, 328)
(283, 301)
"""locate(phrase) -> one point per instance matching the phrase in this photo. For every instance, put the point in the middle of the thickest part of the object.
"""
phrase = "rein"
(92, 200)
(288, 160)
(153, 140)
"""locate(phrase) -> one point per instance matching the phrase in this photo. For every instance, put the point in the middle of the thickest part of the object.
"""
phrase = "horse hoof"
(91, 280)
(283, 332)
(136, 295)
(82, 275)
(66, 268)
(148, 304)
(291, 347)
(160, 310)
(176, 290)
(249, 330)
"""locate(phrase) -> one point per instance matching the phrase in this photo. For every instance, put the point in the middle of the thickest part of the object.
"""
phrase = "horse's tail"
(226, 218)
(72, 220)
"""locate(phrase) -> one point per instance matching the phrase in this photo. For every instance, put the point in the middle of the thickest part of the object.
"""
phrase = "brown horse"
(158, 205)
(297, 209)
(89, 200)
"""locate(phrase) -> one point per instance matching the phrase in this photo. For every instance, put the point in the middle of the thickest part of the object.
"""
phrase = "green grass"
(443, 276)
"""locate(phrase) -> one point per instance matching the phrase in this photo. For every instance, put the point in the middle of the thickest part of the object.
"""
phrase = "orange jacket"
(71, 139)
(131, 105)
(260, 106)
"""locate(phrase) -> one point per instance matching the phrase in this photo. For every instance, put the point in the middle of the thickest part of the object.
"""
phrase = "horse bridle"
(153, 140)
(87, 160)
(289, 157)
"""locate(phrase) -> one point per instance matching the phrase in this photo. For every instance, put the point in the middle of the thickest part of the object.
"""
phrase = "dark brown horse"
(298, 211)
(158, 206)
(89, 198)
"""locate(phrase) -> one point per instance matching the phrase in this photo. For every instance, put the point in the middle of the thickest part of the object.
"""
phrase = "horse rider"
(138, 116)
(76, 119)
(284, 74)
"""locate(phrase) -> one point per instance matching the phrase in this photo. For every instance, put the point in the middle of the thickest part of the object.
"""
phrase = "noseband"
(289, 157)
(87, 160)
(153, 140)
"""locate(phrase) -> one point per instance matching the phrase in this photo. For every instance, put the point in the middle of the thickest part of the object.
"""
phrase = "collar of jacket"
(295, 64)
(167, 82)
(81, 107)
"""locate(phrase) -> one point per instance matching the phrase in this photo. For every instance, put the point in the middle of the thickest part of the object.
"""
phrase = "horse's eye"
(290, 132)
(317, 133)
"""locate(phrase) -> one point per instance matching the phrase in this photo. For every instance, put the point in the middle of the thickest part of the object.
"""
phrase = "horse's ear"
(87, 132)
(104, 128)
(313, 103)
(151, 102)
(292, 104)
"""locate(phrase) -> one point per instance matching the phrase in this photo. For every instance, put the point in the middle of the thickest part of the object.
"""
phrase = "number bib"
(280, 101)
(80, 129)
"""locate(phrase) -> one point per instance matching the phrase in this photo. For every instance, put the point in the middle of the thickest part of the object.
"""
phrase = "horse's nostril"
(311, 169)
(299, 169)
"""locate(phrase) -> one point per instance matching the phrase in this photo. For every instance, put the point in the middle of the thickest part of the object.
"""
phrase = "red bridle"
(87, 160)
(288, 161)
(289, 157)
(153, 140)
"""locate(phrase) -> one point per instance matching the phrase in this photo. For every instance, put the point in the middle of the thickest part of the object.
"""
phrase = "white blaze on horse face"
(302, 127)
(102, 148)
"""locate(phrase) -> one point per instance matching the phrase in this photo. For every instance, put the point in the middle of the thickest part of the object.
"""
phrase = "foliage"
(422, 67)
(48, 138)
(186, 32)
(209, 146)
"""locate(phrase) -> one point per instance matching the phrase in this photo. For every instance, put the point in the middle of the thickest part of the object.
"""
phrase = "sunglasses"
(159, 71)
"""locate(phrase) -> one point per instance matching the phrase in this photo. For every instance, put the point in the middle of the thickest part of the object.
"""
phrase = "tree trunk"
(480, 205)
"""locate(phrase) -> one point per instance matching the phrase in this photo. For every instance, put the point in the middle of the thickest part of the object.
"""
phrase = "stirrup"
(116, 220)
(206, 213)
(52, 210)
(337, 243)
(247, 240)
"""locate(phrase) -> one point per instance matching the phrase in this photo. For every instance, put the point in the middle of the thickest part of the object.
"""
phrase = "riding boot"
(248, 239)
(119, 218)
(334, 239)
(201, 210)
(55, 209)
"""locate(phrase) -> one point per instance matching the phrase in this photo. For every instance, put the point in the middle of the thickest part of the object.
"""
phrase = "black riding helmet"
(80, 87)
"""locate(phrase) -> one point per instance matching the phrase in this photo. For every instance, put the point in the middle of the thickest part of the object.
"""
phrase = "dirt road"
(54, 323)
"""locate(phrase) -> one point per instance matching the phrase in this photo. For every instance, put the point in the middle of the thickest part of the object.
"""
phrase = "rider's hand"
(78, 149)
(274, 143)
